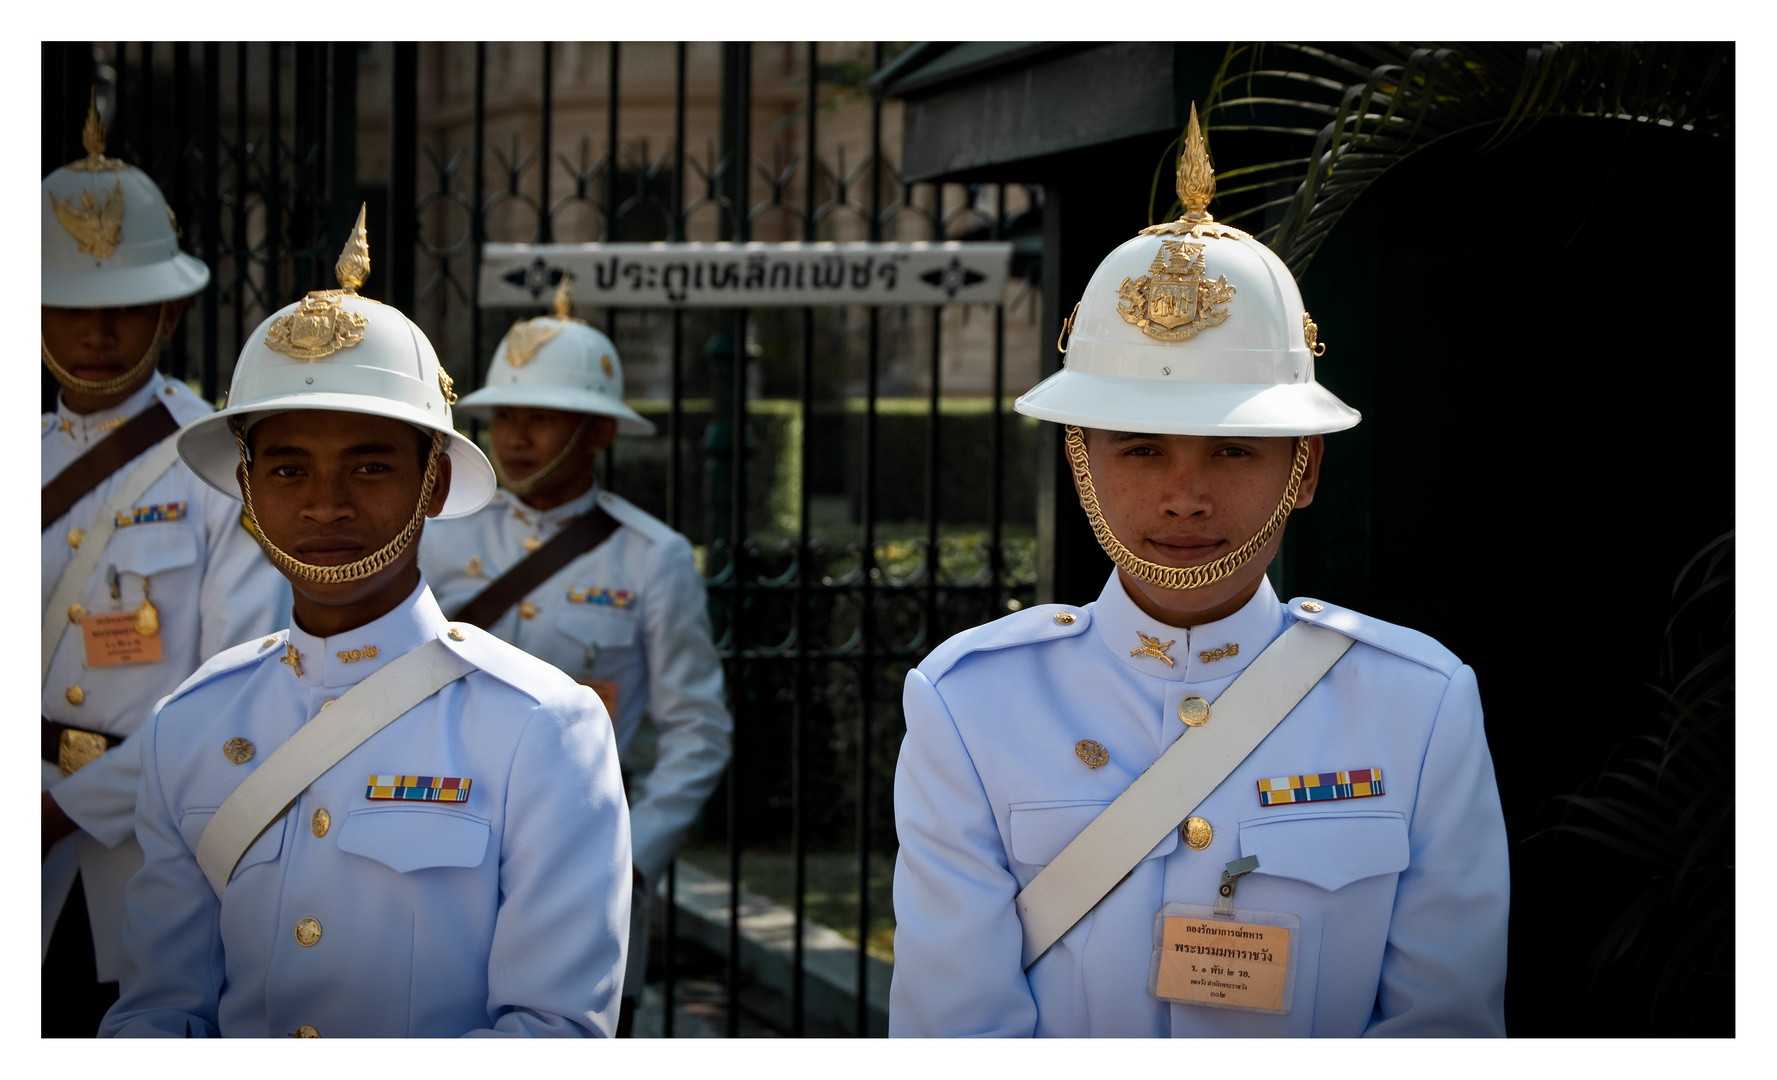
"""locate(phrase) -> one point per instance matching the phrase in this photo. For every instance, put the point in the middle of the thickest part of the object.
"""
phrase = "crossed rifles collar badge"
(1154, 647)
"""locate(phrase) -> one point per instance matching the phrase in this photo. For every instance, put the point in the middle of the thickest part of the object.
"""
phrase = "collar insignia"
(292, 658)
(1154, 647)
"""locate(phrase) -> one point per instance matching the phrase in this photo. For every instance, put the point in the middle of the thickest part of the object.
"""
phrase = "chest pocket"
(1328, 850)
(598, 624)
(405, 839)
(152, 549)
(1039, 830)
(264, 849)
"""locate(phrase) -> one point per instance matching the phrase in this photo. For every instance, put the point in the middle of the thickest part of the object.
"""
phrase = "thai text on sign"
(746, 275)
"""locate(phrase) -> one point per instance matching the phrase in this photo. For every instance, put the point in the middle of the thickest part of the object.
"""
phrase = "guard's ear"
(440, 487)
(175, 308)
(600, 434)
(1317, 446)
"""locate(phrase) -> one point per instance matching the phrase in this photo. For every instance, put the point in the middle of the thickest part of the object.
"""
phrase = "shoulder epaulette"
(229, 659)
(1049, 622)
(628, 513)
(1399, 640)
(183, 402)
(511, 665)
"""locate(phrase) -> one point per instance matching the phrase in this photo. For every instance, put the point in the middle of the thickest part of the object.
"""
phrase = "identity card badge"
(1225, 957)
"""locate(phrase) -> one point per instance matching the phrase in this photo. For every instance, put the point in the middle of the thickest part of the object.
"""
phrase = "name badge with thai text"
(1246, 962)
(113, 639)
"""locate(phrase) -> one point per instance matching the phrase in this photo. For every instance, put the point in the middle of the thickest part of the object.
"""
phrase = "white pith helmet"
(339, 351)
(109, 239)
(557, 363)
(1191, 328)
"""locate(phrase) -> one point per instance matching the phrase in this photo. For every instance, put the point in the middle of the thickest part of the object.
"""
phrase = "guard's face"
(527, 439)
(333, 487)
(1187, 500)
(99, 344)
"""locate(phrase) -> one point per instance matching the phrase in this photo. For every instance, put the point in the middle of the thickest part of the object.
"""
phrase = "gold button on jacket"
(1196, 833)
(319, 823)
(308, 931)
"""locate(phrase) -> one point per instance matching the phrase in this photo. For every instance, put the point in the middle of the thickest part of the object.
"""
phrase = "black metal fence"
(849, 511)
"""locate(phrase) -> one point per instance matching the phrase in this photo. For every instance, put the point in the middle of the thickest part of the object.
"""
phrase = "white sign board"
(745, 275)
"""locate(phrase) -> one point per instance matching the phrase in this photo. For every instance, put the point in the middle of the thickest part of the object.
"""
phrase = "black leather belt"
(70, 748)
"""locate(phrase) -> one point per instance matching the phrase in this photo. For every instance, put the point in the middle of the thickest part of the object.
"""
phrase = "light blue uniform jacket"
(1402, 897)
(502, 914)
(212, 586)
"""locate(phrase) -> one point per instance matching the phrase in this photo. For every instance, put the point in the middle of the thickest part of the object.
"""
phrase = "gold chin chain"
(1178, 577)
(363, 568)
(543, 476)
(128, 379)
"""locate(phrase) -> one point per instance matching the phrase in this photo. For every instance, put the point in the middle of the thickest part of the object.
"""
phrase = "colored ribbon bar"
(141, 515)
(419, 788)
(1320, 787)
(617, 598)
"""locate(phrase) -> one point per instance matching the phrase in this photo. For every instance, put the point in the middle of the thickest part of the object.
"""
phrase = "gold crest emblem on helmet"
(97, 228)
(526, 337)
(320, 326)
(529, 335)
(1175, 300)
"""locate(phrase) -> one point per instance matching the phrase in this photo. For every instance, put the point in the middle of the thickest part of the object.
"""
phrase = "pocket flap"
(1329, 851)
(598, 624)
(152, 549)
(406, 839)
(263, 849)
(1040, 830)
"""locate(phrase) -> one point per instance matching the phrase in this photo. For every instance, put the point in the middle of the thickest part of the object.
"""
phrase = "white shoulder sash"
(317, 746)
(1174, 785)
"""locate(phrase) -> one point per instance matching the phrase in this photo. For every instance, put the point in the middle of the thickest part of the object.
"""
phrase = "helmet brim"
(124, 286)
(1157, 407)
(208, 448)
(539, 396)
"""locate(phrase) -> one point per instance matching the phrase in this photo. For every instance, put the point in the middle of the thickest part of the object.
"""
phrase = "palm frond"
(1357, 110)
(1660, 801)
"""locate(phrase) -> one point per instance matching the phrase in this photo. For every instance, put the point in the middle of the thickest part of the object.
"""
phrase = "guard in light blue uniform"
(1361, 836)
(628, 616)
(177, 579)
(462, 869)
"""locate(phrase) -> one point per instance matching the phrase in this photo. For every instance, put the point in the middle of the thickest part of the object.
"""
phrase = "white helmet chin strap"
(544, 476)
(354, 571)
(1178, 577)
(128, 380)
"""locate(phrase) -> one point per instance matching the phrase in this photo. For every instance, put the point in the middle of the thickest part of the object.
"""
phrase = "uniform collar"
(1119, 624)
(90, 428)
(344, 659)
(547, 521)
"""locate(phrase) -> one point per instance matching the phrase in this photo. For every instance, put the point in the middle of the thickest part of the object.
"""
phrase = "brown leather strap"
(579, 536)
(52, 739)
(116, 450)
